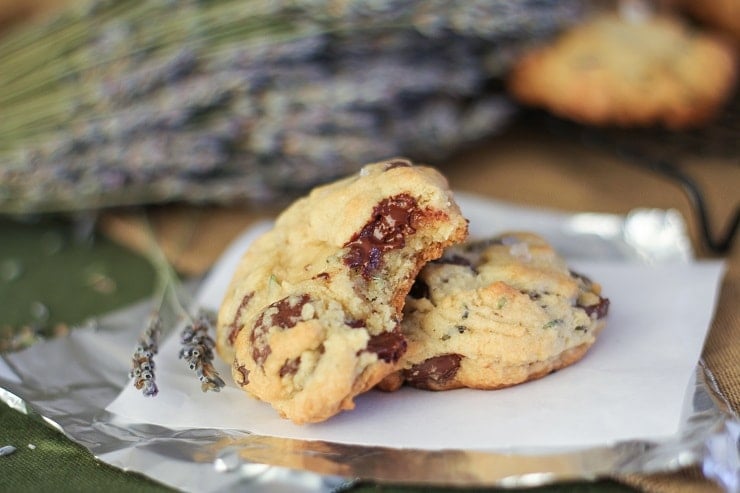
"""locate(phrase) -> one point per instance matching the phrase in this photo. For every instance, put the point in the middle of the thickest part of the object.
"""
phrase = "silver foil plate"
(70, 381)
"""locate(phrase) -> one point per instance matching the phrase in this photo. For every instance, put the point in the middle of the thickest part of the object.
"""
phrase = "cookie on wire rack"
(629, 70)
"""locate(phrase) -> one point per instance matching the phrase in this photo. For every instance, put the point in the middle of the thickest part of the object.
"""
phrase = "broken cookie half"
(312, 315)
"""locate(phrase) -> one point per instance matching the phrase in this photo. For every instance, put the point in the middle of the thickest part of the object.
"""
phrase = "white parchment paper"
(631, 385)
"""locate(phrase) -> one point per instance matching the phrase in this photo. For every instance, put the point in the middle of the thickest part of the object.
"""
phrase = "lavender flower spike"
(197, 351)
(142, 363)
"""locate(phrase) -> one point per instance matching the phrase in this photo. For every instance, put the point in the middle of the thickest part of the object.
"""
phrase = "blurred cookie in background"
(629, 68)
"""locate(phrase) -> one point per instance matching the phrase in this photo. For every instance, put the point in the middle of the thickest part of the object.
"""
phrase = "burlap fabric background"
(525, 165)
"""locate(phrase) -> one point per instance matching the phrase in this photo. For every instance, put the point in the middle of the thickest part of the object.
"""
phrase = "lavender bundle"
(140, 101)
(195, 339)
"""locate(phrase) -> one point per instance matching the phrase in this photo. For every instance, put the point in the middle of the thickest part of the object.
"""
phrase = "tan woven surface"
(526, 166)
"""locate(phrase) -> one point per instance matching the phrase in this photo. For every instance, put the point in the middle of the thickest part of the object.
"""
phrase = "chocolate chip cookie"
(312, 315)
(495, 313)
(629, 71)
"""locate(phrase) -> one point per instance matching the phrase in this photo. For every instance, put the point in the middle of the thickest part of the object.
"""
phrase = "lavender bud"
(197, 352)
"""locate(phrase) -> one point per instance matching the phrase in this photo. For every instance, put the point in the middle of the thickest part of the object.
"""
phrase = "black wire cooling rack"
(662, 151)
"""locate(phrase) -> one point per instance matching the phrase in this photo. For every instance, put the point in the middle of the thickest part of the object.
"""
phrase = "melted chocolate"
(436, 370)
(583, 278)
(288, 315)
(290, 367)
(391, 221)
(397, 164)
(601, 309)
(355, 324)
(456, 260)
(244, 373)
(235, 327)
(260, 351)
(389, 346)
(480, 245)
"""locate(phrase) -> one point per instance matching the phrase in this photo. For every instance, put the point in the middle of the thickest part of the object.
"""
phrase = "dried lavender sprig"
(197, 351)
(142, 363)
(167, 303)
(197, 344)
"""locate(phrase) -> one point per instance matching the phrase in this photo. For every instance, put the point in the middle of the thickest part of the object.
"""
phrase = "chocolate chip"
(284, 313)
(456, 260)
(392, 220)
(244, 373)
(583, 278)
(397, 164)
(356, 324)
(480, 245)
(290, 367)
(235, 327)
(389, 346)
(260, 352)
(532, 295)
(601, 309)
(233, 333)
(437, 370)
